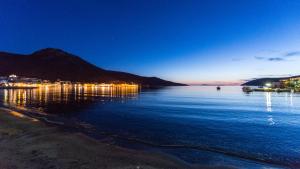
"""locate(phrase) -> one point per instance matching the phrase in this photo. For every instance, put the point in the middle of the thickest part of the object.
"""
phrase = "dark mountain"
(263, 81)
(52, 64)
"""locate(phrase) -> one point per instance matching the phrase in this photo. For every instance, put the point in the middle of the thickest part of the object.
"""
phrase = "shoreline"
(26, 142)
(19, 129)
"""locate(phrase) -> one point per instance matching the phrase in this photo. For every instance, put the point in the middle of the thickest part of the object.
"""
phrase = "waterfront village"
(15, 82)
(291, 84)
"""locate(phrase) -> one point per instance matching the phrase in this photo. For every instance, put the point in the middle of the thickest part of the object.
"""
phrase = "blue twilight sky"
(189, 41)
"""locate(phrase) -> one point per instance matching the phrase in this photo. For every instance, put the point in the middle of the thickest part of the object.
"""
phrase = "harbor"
(286, 85)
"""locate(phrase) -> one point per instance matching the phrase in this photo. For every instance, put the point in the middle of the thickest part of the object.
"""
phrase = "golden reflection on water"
(65, 93)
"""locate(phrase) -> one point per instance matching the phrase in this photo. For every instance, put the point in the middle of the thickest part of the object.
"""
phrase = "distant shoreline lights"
(13, 81)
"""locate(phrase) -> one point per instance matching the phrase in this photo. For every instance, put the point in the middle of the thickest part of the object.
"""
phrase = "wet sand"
(26, 143)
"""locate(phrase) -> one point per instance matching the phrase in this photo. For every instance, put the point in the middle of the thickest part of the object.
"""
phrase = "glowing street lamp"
(268, 84)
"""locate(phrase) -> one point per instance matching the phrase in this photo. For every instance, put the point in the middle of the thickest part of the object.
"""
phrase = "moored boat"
(247, 89)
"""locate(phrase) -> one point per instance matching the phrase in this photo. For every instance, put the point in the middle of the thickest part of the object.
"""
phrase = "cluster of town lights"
(77, 85)
(13, 81)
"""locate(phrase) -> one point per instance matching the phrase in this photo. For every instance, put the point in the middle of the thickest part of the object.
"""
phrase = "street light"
(268, 84)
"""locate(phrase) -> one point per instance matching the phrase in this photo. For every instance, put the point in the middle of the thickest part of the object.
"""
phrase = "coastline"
(28, 143)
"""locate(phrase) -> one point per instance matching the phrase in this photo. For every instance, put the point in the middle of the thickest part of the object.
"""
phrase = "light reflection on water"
(268, 101)
(64, 94)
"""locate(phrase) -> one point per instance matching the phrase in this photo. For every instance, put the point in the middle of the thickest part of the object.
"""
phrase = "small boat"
(247, 89)
(218, 88)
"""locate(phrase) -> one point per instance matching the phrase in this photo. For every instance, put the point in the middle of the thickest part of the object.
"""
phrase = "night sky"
(186, 41)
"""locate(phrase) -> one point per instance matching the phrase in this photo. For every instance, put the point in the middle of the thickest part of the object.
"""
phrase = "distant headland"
(285, 84)
(55, 64)
(263, 81)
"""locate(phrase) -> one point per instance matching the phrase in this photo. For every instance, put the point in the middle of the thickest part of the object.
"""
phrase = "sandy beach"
(27, 143)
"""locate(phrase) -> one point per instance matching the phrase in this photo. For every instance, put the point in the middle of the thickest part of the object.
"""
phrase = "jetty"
(264, 89)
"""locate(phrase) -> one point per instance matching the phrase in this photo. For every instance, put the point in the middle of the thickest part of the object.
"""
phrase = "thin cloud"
(293, 53)
(271, 59)
(280, 57)
(259, 58)
(276, 59)
(236, 59)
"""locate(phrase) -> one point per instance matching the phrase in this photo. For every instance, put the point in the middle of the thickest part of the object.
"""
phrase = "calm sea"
(197, 124)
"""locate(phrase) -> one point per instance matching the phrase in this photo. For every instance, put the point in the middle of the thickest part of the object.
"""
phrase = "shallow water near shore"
(197, 124)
